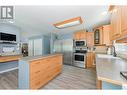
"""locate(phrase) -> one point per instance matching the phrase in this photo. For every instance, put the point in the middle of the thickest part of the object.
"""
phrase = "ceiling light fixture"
(69, 23)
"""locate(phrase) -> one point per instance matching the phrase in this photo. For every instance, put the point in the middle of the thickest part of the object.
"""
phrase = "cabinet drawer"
(37, 74)
(35, 63)
(40, 69)
(42, 78)
(39, 65)
(57, 59)
(40, 81)
(35, 84)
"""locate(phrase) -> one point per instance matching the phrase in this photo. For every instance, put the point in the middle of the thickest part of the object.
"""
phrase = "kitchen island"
(36, 71)
(108, 72)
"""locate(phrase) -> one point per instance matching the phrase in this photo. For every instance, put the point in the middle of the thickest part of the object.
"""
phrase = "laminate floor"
(70, 78)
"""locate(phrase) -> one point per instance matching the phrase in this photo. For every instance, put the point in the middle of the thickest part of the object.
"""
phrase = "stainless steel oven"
(80, 56)
(80, 43)
(79, 60)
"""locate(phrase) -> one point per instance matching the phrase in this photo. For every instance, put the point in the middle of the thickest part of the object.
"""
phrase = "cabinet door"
(116, 22)
(90, 59)
(106, 35)
(37, 47)
(82, 35)
(30, 47)
(90, 39)
(98, 36)
(123, 20)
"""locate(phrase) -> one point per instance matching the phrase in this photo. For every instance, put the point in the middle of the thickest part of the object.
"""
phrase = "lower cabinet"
(39, 72)
(90, 59)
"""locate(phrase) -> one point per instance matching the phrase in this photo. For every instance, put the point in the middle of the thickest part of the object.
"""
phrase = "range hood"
(69, 23)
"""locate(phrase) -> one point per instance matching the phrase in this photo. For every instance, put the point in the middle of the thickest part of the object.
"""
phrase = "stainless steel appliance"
(80, 43)
(80, 56)
(65, 47)
(5, 37)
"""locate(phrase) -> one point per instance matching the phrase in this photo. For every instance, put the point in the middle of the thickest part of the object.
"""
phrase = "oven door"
(79, 60)
(79, 57)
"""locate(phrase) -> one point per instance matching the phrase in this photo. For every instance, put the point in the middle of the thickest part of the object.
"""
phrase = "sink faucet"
(114, 51)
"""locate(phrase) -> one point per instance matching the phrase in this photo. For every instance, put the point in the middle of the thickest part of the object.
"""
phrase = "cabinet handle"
(37, 72)
(48, 60)
(37, 62)
(37, 83)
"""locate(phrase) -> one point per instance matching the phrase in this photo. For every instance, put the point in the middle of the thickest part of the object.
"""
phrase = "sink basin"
(107, 56)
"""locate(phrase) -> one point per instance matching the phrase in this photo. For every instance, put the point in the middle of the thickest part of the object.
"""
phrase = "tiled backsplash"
(101, 49)
(121, 50)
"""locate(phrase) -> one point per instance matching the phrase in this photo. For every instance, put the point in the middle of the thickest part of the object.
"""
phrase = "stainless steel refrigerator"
(66, 48)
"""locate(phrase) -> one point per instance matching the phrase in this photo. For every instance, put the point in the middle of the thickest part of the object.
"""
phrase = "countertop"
(10, 58)
(10, 55)
(108, 69)
(32, 58)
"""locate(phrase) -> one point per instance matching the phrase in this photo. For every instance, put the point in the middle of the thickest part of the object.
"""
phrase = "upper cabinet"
(106, 35)
(90, 39)
(123, 20)
(115, 23)
(102, 35)
(119, 23)
(80, 35)
(98, 33)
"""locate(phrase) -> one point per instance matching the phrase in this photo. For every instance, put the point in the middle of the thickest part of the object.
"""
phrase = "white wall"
(8, 28)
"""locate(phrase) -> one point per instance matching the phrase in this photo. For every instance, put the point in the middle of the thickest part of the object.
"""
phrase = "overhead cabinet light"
(69, 23)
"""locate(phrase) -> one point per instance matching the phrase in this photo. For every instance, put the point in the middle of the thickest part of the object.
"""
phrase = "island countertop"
(32, 58)
(108, 69)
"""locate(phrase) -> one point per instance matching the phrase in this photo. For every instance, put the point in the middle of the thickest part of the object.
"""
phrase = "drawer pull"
(37, 62)
(37, 72)
(37, 83)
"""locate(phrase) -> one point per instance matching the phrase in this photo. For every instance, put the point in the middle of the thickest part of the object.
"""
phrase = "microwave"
(80, 43)
(7, 37)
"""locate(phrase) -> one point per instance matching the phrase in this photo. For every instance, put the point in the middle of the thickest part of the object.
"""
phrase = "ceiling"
(40, 19)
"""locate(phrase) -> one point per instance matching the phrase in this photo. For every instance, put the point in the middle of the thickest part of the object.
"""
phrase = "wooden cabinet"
(10, 58)
(77, 36)
(106, 35)
(123, 20)
(90, 39)
(39, 72)
(119, 23)
(116, 22)
(43, 70)
(98, 36)
(90, 59)
(103, 37)
(80, 35)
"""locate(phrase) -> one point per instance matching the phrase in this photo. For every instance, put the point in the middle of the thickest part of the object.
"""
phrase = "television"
(7, 37)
